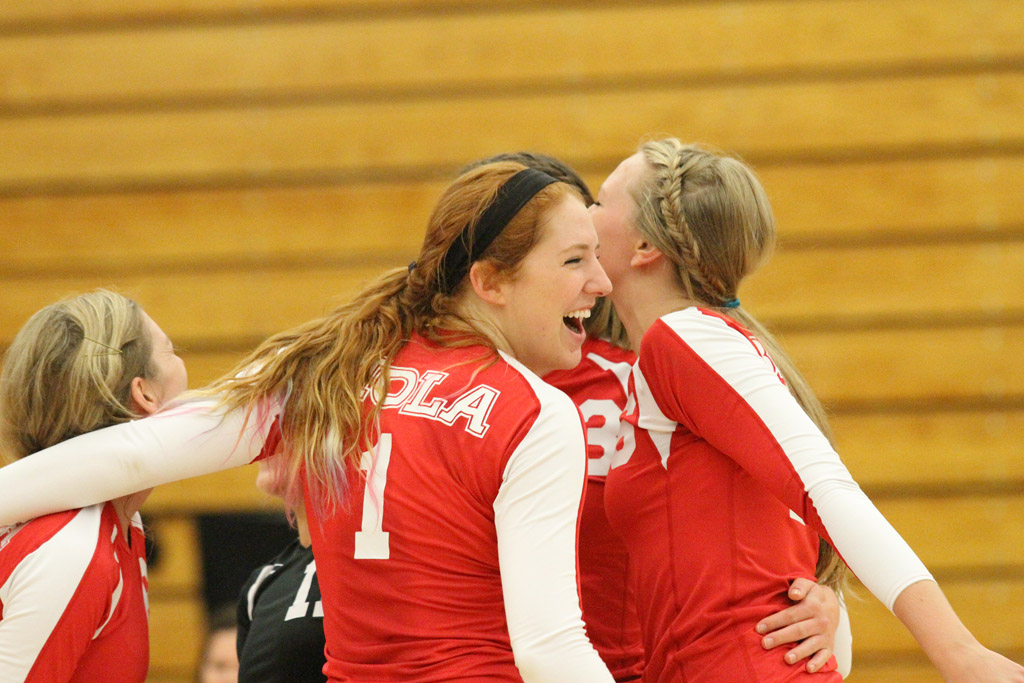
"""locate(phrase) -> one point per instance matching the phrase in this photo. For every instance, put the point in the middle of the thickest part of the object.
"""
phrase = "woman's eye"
(574, 260)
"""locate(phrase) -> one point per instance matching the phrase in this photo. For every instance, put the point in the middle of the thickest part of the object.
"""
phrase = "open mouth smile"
(574, 319)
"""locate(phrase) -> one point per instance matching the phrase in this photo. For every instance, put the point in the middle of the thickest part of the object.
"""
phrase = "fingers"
(806, 630)
(787, 617)
(819, 660)
(800, 588)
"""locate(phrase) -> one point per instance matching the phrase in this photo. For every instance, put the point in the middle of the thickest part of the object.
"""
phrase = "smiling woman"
(415, 421)
(538, 312)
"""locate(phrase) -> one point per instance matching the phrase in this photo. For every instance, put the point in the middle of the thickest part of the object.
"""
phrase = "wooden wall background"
(236, 165)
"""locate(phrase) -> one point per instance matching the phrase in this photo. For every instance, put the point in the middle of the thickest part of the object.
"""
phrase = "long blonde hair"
(708, 213)
(69, 371)
(329, 367)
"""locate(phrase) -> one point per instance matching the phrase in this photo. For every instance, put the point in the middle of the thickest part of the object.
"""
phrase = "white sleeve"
(535, 514)
(780, 439)
(185, 441)
(843, 646)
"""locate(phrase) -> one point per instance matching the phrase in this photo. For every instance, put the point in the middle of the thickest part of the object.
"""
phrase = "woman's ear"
(145, 397)
(644, 254)
(488, 284)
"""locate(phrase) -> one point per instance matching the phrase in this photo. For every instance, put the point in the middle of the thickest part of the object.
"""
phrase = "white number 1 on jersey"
(372, 541)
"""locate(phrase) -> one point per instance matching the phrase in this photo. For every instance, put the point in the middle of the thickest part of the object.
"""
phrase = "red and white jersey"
(73, 604)
(598, 386)
(456, 547)
(720, 490)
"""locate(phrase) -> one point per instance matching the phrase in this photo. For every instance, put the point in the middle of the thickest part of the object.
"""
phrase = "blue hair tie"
(731, 303)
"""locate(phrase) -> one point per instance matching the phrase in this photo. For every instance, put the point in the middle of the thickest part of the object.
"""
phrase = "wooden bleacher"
(239, 165)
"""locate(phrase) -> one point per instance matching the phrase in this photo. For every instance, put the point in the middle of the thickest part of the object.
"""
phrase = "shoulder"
(692, 321)
(64, 549)
(703, 332)
(72, 531)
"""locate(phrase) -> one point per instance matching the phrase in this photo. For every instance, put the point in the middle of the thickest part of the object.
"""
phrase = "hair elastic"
(412, 266)
(731, 303)
(470, 245)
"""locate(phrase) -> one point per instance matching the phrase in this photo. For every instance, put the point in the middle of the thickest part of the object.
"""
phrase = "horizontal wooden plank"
(990, 609)
(75, 12)
(509, 49)
(176, 631)
(230, 490)
(911, 198)
(296, 142)
(889, 671)
(913, 364)
(896, 282)
(923, 199)
(961, 533)
(177, 569)
(353, 222)
(889, 451)
(178, 674)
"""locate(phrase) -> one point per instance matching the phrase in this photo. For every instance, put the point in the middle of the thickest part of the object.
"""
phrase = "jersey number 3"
(372, 541)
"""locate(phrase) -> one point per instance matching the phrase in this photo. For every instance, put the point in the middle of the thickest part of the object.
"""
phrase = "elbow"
(533, 663)
(565, 657)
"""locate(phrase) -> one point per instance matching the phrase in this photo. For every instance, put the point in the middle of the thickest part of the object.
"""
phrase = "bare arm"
(927, 614)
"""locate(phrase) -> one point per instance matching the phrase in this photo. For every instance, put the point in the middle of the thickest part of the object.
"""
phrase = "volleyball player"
(725, 477)
(73, 584)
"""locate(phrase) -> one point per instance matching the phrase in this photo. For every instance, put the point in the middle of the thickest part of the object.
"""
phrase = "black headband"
(511, 198)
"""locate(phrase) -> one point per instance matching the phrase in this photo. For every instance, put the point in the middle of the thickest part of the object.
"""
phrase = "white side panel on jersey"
(38, 591)
(658, 427)
(620, 370)
(115, 597)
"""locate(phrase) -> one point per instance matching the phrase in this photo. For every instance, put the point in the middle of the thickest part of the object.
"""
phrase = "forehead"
(152, 329)
(625, 174)
(566, 223)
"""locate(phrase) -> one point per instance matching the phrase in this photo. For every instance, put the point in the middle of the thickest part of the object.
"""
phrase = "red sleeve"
(716, 380)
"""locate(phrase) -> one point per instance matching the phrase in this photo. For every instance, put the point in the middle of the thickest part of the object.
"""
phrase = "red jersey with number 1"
(427, 569)
(73, 599)
(598, 386)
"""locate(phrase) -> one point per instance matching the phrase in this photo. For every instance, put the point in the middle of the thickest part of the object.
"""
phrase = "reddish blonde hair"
(324, 367)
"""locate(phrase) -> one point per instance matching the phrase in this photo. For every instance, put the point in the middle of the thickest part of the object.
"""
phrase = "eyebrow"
(578, 245)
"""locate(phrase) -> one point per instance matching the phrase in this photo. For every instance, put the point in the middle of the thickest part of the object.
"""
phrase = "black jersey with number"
(280, 621)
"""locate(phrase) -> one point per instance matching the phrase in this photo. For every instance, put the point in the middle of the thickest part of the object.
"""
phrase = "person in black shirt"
(280, 614)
